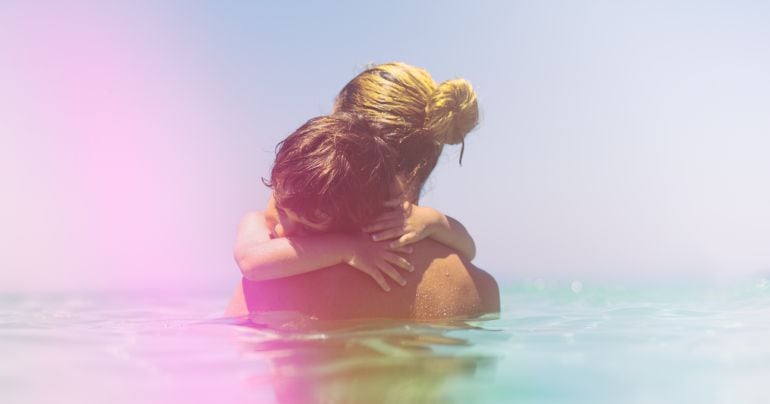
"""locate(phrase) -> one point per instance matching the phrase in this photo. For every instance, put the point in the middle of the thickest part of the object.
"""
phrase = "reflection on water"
(365, 361)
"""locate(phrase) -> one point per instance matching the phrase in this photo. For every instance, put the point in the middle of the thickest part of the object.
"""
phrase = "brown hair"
(418, 115)
(334, 168)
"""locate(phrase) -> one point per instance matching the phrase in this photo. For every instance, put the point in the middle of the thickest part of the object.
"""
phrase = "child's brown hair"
(334, 168)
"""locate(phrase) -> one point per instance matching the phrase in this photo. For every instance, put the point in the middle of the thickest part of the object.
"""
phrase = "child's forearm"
(287, 256)
(452, 233)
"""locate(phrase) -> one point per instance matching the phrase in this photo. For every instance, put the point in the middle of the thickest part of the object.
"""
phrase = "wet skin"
(443, 285)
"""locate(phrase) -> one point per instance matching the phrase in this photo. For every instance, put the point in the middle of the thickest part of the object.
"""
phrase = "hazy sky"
(618, 140)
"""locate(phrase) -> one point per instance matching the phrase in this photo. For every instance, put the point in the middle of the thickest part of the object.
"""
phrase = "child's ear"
(278, 230)
(324, 221)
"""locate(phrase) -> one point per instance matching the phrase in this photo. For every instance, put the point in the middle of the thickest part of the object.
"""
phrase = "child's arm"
(260, 258)
(409, 223)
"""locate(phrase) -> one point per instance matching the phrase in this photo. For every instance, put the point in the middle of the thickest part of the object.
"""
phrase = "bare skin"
(443, 285)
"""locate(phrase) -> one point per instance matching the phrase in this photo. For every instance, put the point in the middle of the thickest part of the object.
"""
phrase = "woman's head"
(333, 170)
(418, 115)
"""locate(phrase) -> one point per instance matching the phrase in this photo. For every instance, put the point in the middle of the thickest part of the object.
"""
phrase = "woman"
(417, 115)
(417, 118)
(413, 116)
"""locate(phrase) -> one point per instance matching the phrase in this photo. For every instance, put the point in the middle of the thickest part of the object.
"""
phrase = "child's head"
(334, 169)
(418, 115)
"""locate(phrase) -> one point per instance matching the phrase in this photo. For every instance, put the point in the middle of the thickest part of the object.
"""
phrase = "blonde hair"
(418, 117)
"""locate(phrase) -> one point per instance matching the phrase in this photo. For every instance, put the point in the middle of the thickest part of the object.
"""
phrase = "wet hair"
(334, 168)
(418, 115)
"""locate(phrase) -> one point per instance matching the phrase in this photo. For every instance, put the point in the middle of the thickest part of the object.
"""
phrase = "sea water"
(553, 342)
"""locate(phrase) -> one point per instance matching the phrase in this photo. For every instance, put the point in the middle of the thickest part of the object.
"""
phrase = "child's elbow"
(245, 264)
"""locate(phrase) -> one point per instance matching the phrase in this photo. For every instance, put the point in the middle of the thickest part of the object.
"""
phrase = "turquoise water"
(552, 343)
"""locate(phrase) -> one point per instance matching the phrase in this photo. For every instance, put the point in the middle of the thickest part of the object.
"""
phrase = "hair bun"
(452, 111)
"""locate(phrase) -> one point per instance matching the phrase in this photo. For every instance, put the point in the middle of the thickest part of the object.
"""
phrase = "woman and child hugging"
(343, 234)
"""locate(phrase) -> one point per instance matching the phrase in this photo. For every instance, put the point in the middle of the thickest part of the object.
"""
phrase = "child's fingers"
(404, 240)
(391, 272)
(388, 234)
(399, 261)
(371, 270)
(402, 249)
(385, 224)
(377, 276)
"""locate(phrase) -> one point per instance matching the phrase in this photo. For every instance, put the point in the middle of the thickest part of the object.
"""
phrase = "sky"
(618, 140)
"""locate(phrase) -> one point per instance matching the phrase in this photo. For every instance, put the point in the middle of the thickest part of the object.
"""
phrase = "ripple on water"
(550, 344)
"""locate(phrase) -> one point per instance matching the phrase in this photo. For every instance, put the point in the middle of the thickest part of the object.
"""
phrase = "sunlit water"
(552, 343)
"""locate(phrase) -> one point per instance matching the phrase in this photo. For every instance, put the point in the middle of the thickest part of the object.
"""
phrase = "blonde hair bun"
(452, 111)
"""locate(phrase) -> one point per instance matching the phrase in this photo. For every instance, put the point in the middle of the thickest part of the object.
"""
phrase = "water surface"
(551, 343)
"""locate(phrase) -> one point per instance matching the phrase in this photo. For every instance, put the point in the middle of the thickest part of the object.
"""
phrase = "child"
(331, 178)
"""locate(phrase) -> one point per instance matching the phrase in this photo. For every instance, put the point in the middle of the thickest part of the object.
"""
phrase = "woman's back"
(443, 285)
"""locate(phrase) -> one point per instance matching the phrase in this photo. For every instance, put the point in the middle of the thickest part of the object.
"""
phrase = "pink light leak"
(107, 145)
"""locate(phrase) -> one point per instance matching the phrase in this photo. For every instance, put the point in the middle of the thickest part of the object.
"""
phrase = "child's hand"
(405, 224)
(375, 258)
